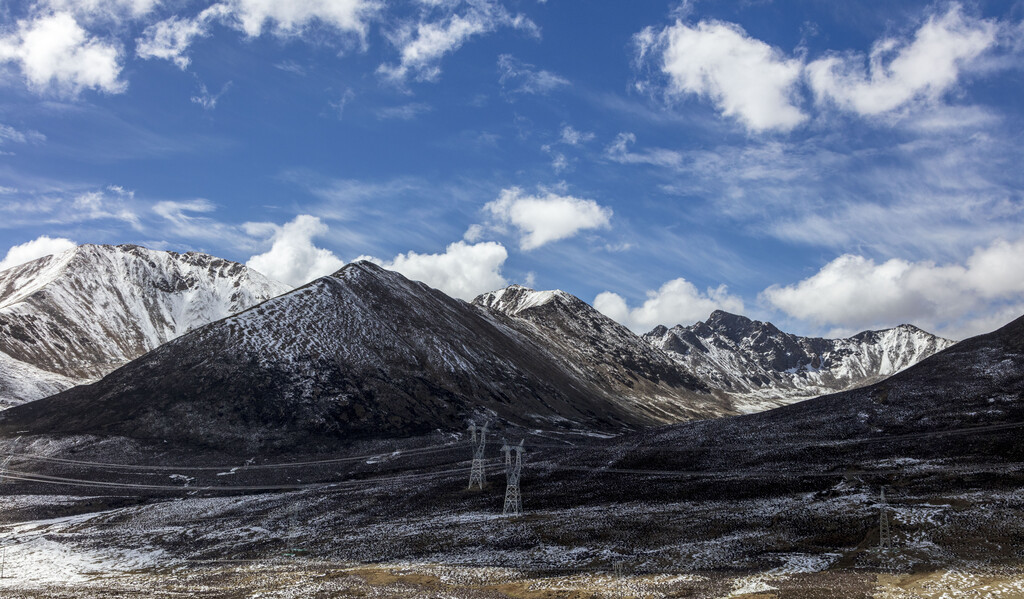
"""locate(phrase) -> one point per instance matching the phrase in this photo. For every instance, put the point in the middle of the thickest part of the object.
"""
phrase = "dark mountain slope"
(605, 353)
(361, 353)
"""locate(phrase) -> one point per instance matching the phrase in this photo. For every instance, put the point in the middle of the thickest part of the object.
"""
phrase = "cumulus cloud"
(292, 257)
(55, 54)
(521, 78)
(37, 248)
(853, 292)
(424, 42)
(900, 71)
(744, 77)
(464, 270)
(544, 218)
(676, 302)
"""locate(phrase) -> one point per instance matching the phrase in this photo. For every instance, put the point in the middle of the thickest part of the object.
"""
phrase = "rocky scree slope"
(362, 353)
(760, 367)
(73, 317)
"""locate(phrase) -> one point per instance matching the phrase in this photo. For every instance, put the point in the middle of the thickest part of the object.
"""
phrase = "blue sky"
(830, 167)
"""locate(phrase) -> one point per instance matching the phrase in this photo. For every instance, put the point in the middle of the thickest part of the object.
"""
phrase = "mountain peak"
(514, 299)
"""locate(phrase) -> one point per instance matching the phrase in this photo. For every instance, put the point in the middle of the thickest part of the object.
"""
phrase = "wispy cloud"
(207, 100)
(405, 112)
(442, 28)
(517, 77)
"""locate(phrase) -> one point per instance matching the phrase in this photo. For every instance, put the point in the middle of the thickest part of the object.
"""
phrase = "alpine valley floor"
(404, 525)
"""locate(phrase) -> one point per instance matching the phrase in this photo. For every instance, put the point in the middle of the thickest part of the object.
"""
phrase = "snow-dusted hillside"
(73, 317)
(605, 352)
(366, 352)
(761, 367)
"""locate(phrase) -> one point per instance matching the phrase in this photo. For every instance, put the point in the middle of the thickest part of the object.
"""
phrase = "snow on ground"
(42, 552)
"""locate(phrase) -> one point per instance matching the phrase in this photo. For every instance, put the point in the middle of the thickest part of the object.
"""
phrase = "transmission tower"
(884, 534)
(476, 474)
(513, 499)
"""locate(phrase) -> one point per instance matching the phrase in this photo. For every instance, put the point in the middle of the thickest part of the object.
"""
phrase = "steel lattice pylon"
(476, 473)
(513, 498)
(884, 534)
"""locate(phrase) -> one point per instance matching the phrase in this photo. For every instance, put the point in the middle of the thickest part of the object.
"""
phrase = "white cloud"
(521, 78)
(545, 218)
(854, 293)
(207, 100)
(463, 270)
(56, 55)
(901, 71)
(169, 39)
(292, 257)
(559, 162)
(676, 302)
(114, 202)
(572, 137)
(619, 151)
(37, 248)
(98, 10)
(291, 17)
(8, 133)
(744, 77)
(423, 43)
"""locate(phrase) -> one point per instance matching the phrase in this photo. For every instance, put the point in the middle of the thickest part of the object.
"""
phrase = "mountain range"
(367, 352)
(364, 352)
(71, 318)
(760, 367)
(365, 340)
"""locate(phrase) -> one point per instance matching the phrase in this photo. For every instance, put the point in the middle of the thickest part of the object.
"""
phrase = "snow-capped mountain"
(760, 367)
(73, 317)
(364, 352)
(605, 352)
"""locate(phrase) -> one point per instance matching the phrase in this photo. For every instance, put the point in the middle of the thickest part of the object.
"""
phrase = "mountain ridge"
(759, 366)
(73, 317)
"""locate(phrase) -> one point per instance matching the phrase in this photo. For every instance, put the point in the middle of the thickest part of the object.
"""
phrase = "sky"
(827, 166)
